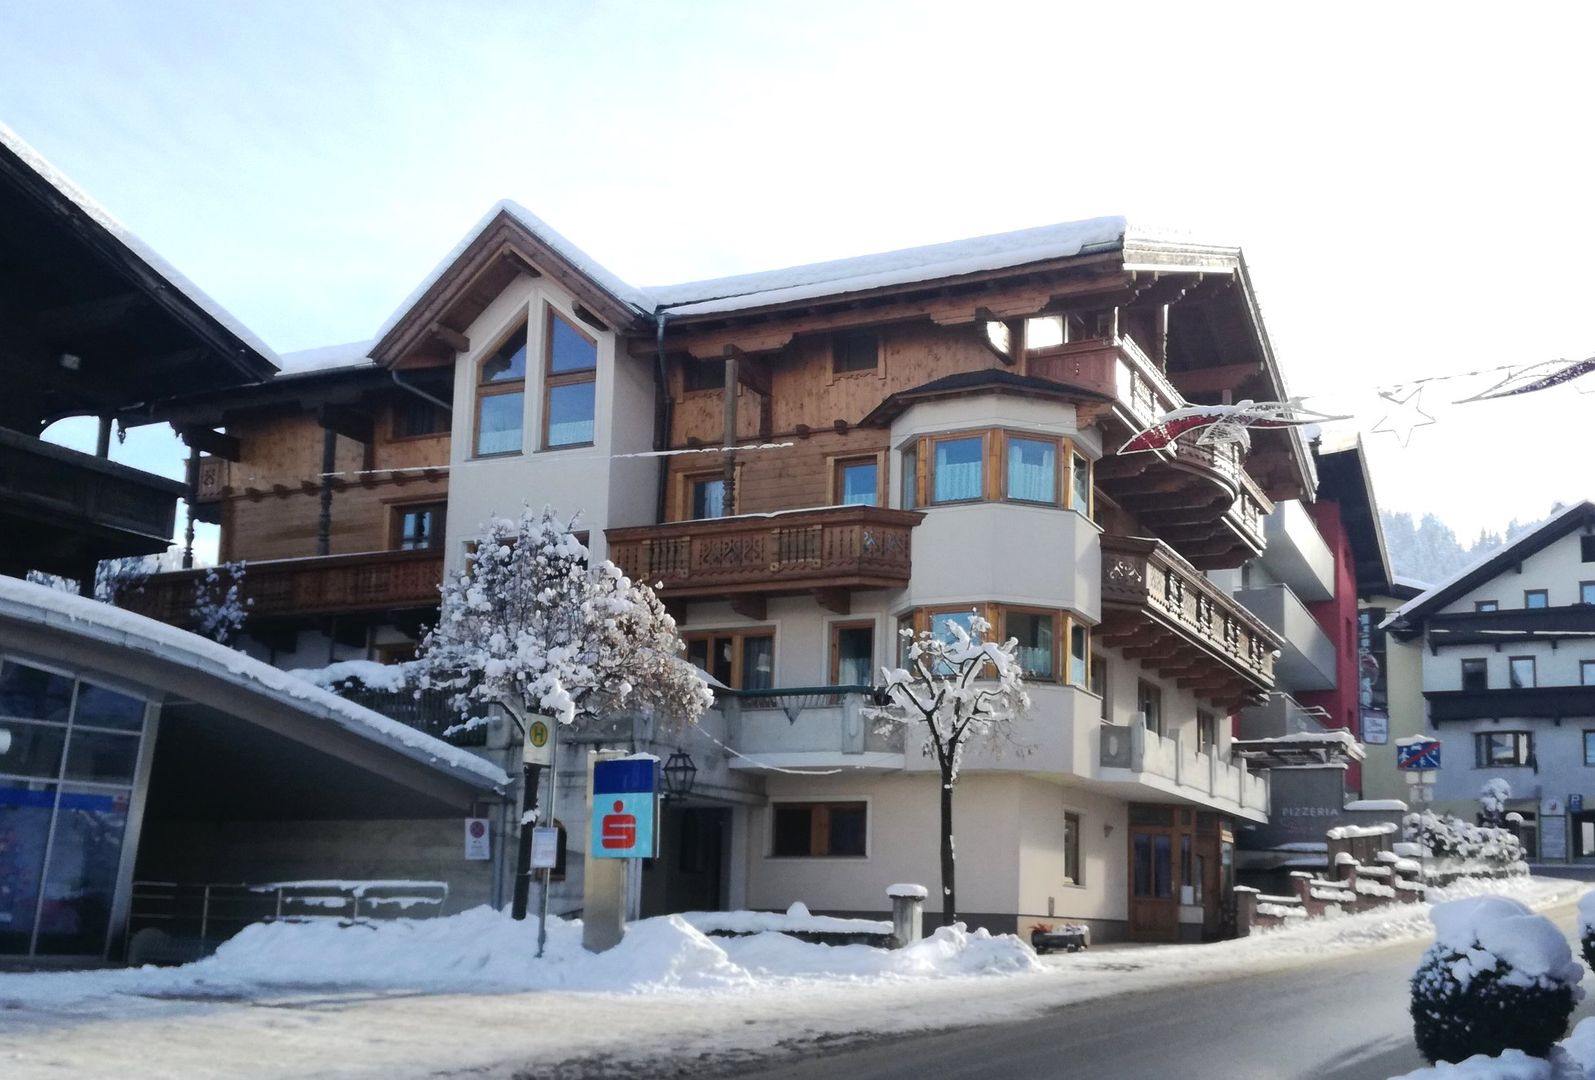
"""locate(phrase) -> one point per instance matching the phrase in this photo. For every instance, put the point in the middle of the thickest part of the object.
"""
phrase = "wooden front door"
(1154, 872)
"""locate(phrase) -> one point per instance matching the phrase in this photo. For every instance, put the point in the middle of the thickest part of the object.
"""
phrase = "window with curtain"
(501, 397)
(708, 497)
(1080, 472)
(857, 482)
(758, 662)
(1036, 632)
(571, 386)
(740, 659)
(958, 472)
(1032, 470)
(853, 654)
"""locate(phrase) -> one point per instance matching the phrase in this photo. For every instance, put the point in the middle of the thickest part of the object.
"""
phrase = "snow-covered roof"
(1491, 564)
(904, 266)
(13, 142)
(353, 354)
(41, 605)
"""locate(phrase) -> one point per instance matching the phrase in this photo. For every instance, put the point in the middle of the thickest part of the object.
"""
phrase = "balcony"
(1575, 621)
(372, 582)
(822, 726)
(1198, 497)
(1164, 769)
(61, 510)
(1307, 661)
(828, 551)
(1529, 703)
(1160, 610)
(1296, 553)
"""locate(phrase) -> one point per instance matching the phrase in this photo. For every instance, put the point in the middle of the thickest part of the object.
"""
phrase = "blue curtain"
(1032, 470)
(958, 469)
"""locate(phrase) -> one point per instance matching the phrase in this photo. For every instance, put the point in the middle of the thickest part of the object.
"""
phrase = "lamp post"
(679, 774)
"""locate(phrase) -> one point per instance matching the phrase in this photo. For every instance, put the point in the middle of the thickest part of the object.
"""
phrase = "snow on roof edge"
(350, 354)
(40, 603)
(130, 240)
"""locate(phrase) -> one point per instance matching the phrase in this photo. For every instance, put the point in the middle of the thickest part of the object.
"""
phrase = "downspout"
(662, 416)
(420, 393)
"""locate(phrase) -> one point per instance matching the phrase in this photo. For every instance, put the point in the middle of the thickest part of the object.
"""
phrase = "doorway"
(689, 874)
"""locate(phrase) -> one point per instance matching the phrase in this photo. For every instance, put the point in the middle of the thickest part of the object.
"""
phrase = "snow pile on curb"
(796, 919)
(485, 950)
(1572, 1059)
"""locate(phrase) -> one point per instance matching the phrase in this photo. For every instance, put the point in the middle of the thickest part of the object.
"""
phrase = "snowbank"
(796, 918)
(483, 950)
(1572, 1058)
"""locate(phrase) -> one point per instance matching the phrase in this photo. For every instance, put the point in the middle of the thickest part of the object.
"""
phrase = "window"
(741, 660)
(818, 830)
(1080, 496)
(1032, 470)
(1520, 672)
(1586, 548)
(418, 526)
(857, 482)
(1535, 598)
(853, 654)
(1503, 749)
(1071, 849)
(1149, 702)
(1206, 732)
(1153, 859)
(911, 477)
(1044, 332)
(1099, 682)
(415, 417)
(1485, 605)
(570, 386)
(1079, 653)
(1185, 860)
(1586, 592)
(854, 352)
(1037, 634)
(1586, 672)
(1475, 675)
(1589, 747)
(501, 397)
(702, 375)
(708, 496)
(957, 469)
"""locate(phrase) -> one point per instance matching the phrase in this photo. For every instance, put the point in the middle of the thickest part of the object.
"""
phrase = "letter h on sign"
(625, 803)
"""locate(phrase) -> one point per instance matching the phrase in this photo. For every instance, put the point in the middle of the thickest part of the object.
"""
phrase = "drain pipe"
(662, 415)
(420, 393)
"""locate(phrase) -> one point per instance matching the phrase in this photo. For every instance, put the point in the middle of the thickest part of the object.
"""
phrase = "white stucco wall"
(1558, 569)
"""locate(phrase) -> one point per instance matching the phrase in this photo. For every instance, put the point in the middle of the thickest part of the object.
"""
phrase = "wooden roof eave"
(448, 305)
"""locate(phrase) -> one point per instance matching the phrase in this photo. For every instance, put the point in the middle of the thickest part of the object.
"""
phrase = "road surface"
(1344, 1019)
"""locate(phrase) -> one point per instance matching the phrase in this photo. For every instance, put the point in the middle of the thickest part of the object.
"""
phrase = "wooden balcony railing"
(330, 585)
(60, 489)
(1115, 368)
(838, 547)
(1164, 611)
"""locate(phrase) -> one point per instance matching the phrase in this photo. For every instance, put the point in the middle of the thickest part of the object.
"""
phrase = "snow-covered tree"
(1492, 802)
(531, 625)
(220, 607)
(960, 689)
(115, 579)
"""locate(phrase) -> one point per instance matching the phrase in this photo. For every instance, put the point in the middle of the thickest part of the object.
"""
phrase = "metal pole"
(523, 858)
(553, 797)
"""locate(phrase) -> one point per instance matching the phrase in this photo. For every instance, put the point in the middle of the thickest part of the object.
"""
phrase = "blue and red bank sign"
(625, 801)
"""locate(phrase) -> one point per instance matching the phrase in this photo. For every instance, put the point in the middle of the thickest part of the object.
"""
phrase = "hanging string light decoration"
(1536, 377)
(1222, 425)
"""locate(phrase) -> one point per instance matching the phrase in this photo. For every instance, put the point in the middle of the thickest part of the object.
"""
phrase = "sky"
(1410, 183)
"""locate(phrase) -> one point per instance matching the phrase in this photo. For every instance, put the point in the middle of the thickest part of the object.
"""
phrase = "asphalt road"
(1344, 1019)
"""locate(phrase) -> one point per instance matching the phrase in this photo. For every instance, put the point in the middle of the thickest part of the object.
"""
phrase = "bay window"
(1032, 469)
(957, 474)
(996, 465)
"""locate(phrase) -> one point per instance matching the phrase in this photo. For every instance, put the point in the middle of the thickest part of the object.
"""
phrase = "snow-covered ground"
(1571, 1059)
(466, 995)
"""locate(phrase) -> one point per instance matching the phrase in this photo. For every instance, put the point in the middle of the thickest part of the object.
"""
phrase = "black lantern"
(679, 774)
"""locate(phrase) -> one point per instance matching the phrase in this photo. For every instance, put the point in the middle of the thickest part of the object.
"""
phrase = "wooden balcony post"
(728, 499)
(193, 493)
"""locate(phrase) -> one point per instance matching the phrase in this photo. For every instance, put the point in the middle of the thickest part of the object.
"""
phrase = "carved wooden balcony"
(828, 551)
(370, 582)
(1159, 609)
(62, 510)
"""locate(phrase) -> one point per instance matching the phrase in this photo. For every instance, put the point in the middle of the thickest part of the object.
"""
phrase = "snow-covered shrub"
(219, 604)
(1497, 977)
(1492, 802)
(1586, 927)
(1449, 837)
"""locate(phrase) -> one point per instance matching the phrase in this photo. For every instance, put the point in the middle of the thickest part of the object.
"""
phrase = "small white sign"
(1375, 728)
(545, 848)
(478, 839)
(1423, 793)
(1551, 806)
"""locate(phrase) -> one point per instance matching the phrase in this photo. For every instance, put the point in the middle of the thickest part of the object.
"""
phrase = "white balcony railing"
(1200, 777)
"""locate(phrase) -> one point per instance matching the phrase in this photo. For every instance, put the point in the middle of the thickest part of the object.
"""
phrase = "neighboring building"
(917, 435)
(1507, 657)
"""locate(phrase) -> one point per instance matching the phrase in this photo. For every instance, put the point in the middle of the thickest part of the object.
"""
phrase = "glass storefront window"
(25, 810)
(34, 694)
(101, 756)
(32, 749)
(80, 882)
(99, 707)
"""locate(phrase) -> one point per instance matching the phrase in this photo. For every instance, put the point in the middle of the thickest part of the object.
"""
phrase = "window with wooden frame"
(501, 397)
(1071, 849)
(996, 465)
(1080, 485)
(570, 384)
(957, 468)
(741, 659)
(703, 496)
(1030, 471)
(416, 418)
(1475, 673)
(1149, 702)
(912, 496)
(819, 830)
(855, 351)
(417, 526)
(856, 481)
(852, 653)
(1036, 631)
(1536, 598)
(1485, 605)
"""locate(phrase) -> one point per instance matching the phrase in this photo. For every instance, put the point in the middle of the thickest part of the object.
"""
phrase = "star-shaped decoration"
(1406, 417)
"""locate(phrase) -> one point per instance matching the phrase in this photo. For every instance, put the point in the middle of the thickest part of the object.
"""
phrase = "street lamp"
(679, 772)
